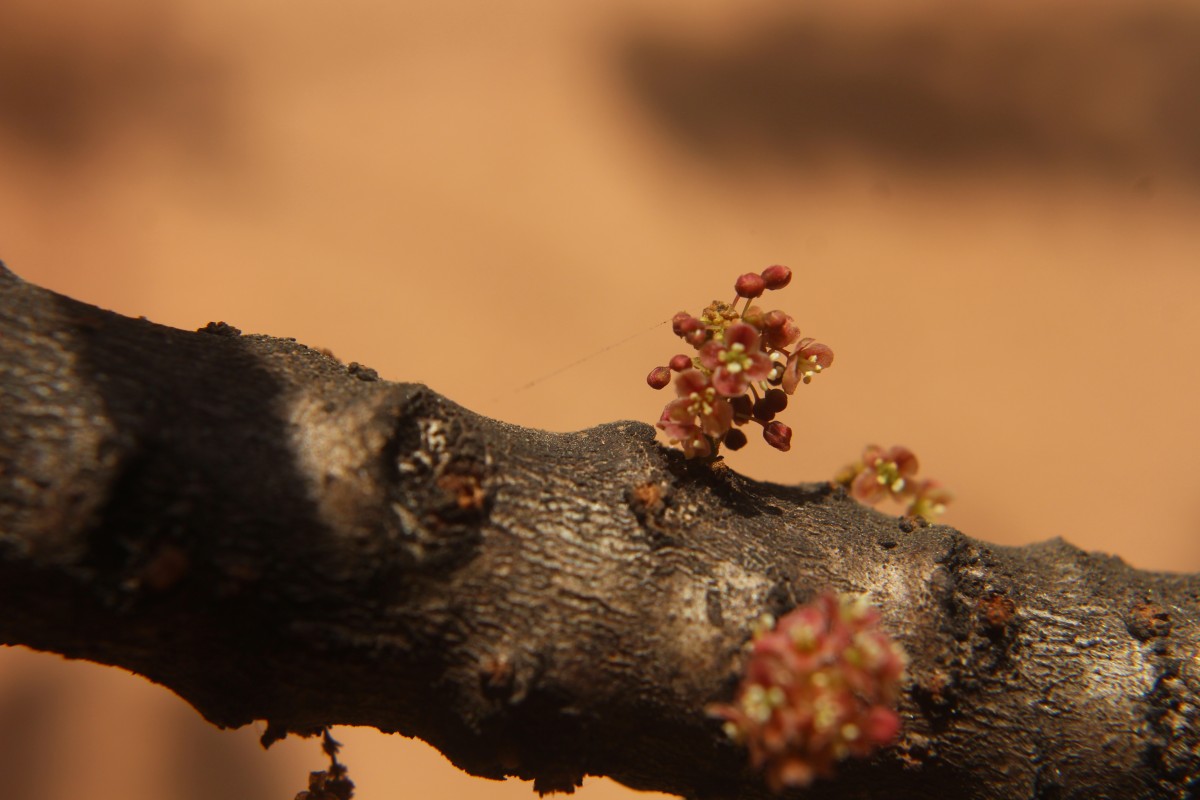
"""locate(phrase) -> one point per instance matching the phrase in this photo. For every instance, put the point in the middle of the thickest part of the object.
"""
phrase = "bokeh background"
(991, 207)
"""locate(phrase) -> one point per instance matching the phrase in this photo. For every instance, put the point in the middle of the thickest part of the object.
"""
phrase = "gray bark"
(275, 535)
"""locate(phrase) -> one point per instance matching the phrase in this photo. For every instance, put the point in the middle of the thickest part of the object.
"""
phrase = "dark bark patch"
(649, 503)
(363, 373)
(220, 329)
(165, 568)
(995, 612)
(1148, 621)
(712, 608)
(468, 495)
(438, 482)
(646, 496)
(565, 782)
(936, 696)
(497, 676)
(1174, 751)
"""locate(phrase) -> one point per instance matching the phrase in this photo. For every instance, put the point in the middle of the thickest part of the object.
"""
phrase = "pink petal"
(742, 334)
(676, 421)
(793, 373)
(906, 462)
(696, 446)
(800, 364)
(882, 724)
(791, 771)
(760, 367)
(719, 422)
(810, 347)
(710, 354)
(730, 384)
(866, 488)
(690, 381)
(871, 454)
(933, 491)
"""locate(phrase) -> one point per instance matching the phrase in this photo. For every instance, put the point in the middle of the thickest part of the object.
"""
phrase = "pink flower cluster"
(746, 366)
(892, 474)
(819, 686)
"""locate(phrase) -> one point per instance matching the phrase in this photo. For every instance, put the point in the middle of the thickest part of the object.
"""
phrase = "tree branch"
(274, 535)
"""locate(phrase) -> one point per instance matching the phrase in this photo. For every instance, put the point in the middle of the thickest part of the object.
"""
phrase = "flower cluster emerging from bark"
(820, 685)
(892, 473)
(747, 364)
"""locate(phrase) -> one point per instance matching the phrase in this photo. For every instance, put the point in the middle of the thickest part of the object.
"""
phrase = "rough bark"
(275, 535)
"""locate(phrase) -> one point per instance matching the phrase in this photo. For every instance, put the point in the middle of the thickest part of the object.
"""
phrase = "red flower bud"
(776, 400)
(684, 323)
(776, 277)
(677, 322)
(778, 436)
(735, 439)
(749, 285)
(659, 377)
(763, 411)
(779, 329)
(680, 362)
(754, 316)
(743, 408)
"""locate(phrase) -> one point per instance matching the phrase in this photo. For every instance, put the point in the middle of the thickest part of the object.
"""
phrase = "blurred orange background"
(992, 210)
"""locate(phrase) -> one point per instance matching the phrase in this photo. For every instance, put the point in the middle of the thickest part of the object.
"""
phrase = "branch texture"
(275, 535)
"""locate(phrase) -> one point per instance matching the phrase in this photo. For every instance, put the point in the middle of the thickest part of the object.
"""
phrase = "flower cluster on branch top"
(892, 473)
(819, 685)
(747, 364)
